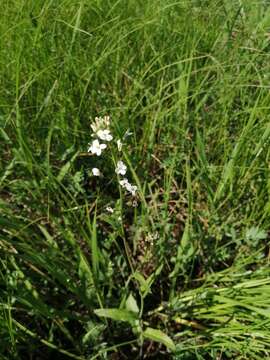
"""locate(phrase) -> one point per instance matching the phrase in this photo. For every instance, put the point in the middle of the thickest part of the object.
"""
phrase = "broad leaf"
(116, 314)
(131, 304)
(159, 336)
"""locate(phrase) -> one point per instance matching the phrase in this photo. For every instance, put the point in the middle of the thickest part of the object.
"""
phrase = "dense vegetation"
(185, 273)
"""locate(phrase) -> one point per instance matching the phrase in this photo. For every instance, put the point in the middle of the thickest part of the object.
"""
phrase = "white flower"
(96, 147)
(120, 168)
(124, 182)
(104, 135)
(132, 189)
(96, 172)
(100, 123)
(119, 145)
(110, 210)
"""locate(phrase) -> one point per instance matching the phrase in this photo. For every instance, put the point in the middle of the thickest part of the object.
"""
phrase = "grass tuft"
(185, 273)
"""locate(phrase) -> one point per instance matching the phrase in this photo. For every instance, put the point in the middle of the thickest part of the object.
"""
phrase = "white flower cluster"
(101, 132)
(100, 123)
(126, 185)
(152, 237)
(121, 169)
(102, 135)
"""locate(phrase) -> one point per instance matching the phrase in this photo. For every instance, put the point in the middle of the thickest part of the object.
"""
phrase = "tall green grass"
(190, 80)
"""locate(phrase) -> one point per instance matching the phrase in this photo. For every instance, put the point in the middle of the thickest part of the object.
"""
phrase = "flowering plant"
(103, 140)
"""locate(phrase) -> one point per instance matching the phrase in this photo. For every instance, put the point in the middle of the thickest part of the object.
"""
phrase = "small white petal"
(124, 182)
(132, 189)
(110, 210)
(128, 186)
(100, 134)
(96, 172)
(91, 149)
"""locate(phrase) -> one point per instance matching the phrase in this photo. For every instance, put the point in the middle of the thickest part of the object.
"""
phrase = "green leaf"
(159, 336)
(5, 136)
(94, 246)
(116, 314)
(131, 304)
(145, 285)
(94, 331)
(85, 272)
(254, 233)
(65, 168)
(140, 279)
